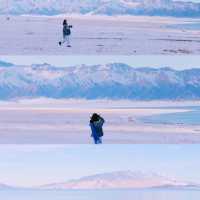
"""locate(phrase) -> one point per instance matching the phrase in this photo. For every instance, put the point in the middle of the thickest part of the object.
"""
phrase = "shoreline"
(47, 121)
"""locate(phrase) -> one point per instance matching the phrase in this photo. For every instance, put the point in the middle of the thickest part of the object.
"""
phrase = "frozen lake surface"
(99, 195)
(50, 121)
(187, 26)
(187, 118)
(125, 35)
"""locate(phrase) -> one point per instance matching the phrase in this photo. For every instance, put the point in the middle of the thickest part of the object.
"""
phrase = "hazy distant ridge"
(120, 180)
(116, 180)
(5, 187)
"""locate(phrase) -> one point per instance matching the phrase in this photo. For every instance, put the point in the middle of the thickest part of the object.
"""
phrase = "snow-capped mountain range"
(101, 7)
(110, 81)
(121, 180)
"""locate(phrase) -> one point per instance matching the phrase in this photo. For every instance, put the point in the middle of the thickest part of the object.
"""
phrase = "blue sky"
(177, 62)
(34, 165)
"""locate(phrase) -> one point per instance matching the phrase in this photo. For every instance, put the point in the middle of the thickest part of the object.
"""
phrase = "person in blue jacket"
(66, 33)
(96, 124)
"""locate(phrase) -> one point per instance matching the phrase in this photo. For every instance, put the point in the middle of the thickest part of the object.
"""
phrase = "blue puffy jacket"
(97, 128)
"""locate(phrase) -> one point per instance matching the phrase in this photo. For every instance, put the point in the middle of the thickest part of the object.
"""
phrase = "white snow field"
(50, 121)
(105, 35)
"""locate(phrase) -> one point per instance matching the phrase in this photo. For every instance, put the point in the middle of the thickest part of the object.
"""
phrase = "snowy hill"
(116, 180)
(112, 81)
(105, 7)
(5, 187)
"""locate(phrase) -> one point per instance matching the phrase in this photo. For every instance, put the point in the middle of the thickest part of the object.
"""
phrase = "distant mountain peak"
(119, 179)
(102, 7)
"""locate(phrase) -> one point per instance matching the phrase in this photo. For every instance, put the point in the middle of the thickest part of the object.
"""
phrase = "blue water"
(101, 195)
(188, 118)
(189, 26)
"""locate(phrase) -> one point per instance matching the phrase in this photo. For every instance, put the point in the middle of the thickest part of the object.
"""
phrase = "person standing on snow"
(96, 124)
(66, 33)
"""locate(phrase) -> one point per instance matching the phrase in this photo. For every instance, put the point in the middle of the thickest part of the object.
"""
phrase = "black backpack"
(67, 31)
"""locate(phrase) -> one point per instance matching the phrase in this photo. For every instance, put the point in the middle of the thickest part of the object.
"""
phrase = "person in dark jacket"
(96, 124)
(66, 33)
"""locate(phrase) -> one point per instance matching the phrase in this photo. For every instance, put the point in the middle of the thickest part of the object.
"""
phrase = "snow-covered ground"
(48, 121)
(125, 35)
(99, 194)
